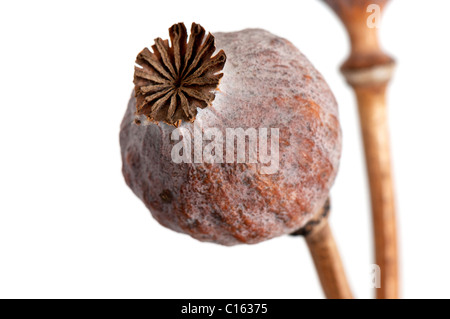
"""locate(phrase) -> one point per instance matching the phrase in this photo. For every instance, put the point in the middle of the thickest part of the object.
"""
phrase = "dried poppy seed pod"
(268, 90)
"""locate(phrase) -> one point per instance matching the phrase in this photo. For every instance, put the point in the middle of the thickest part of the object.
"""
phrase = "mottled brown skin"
(267, 83)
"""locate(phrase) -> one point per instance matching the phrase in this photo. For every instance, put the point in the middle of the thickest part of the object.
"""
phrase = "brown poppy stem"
(368, 70)
(325, 255)
(328, 263)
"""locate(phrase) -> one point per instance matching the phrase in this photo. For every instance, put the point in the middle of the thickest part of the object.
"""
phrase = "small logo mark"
(373, 21)
(375, 276)
(217, 142)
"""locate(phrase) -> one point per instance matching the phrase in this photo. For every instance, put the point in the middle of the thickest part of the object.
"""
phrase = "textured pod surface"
(267, 83)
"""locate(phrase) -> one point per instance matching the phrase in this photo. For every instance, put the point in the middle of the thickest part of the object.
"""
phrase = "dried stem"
(326, 257)
(328, 263)
(368, 70)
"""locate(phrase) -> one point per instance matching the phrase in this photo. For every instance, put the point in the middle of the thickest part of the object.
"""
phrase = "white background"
(70, 227)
